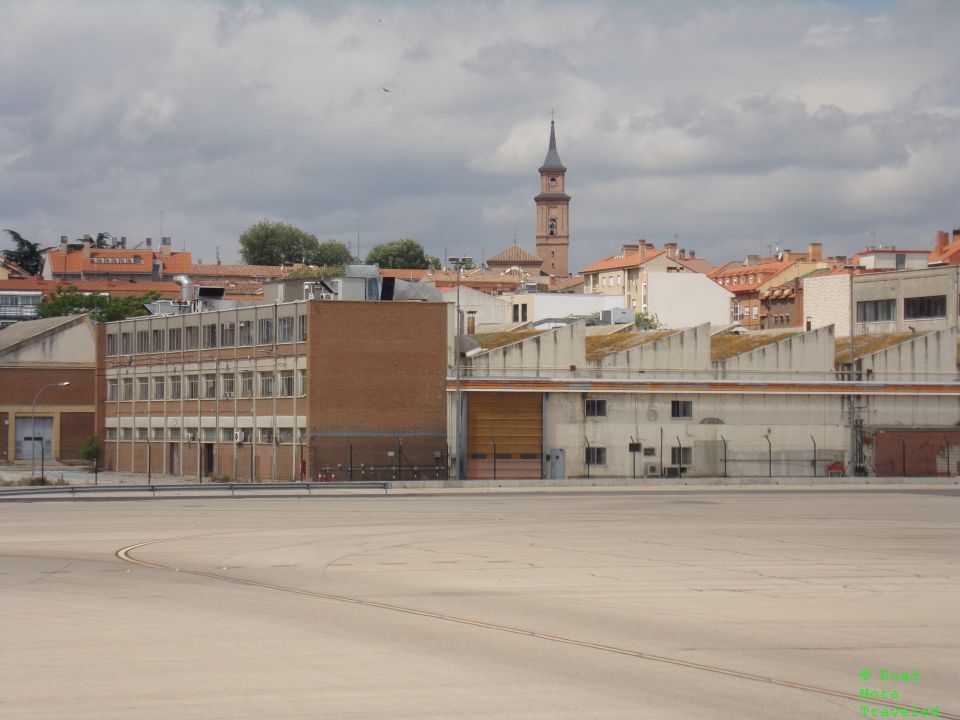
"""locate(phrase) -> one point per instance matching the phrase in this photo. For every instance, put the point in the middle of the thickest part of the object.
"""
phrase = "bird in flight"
(385, 89)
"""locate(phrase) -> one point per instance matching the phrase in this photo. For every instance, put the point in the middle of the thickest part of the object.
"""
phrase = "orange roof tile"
(238, 271)
(619, 262)
(514, 254)
(139, 261)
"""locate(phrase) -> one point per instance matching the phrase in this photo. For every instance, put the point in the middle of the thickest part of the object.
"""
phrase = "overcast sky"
(730, 125)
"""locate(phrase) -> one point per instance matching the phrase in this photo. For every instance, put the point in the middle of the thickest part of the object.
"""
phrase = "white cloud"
(721, 123)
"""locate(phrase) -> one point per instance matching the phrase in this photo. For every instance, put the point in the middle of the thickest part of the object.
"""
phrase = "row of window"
(209, 335)
(915, 308)
(744, 279)
(678, 456)
(678, 408)
(209, 386)
(208, 435)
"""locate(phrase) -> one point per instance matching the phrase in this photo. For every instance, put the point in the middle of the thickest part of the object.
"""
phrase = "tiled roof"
(619, 262)
(139, 261)
(761, 273)
(950, 254)
(514, 254)
(120, 288)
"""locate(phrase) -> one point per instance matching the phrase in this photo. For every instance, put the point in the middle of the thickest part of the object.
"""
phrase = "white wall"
(826, 301)
(686, 299)
(491, 309)
(560, 305)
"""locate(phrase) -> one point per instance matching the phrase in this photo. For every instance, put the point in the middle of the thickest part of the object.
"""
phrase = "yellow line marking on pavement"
(124, 554)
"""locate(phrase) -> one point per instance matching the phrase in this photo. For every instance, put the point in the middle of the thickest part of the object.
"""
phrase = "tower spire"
(552, 161)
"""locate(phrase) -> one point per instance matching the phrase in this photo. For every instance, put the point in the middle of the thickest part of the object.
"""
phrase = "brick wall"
(75, 428)
(917, 453)
(826, 301)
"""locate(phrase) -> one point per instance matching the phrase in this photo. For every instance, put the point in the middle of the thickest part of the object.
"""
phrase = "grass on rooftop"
(867, 344)
(489, 341)
(724, 347)
(601, 346)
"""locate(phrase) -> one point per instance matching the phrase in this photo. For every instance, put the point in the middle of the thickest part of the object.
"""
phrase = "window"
(111, 433)
(285, 435)
(516, 313)
(158, 387)
(209, 434)
(266, 384)
(143, 341)
(681, 409)
(756, 309)
(111, 389)
(226, 434)
(111, 344)
(193, 387)
(209, 386)
(735, 312)
(901, 261)
(158, 338)
(266, 435)
(301, 435)
(174, 433)
(246, 384)
(143, 388)
(190, 434)
(126, 433)
(285, 329)
(228, 334)
(126, 344)
(876, 311)
(596, 456)
(302, 390)
(681, 456)
(127, 388)
(174, 387)
(174, 337)
(192, 337)
(264, 331)
(919, 308)
(596, 408)
(246, 332)
(158, 433)
(210, 336)
(143, 434)
(228, 383)
(301, 328)
(286, 383)
(552, 227)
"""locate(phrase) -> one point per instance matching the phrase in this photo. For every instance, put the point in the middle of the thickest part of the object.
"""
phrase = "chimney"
(87, 245)
(683, 254)
(471, 322)
(753, 260)
(671, 249)
(642, 248)
(64, 240)
(630, 248)
(956, 235)
(693, 254)
(123, 243)
(165, 246)
(815, 252)
(149, 242)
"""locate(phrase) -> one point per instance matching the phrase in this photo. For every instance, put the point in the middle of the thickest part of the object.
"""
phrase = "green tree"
(27, 254)
(401, 254)
(91, 450)
(331, 253)
(315, 272)
(69, 301)
(647, 321)
(267, 243)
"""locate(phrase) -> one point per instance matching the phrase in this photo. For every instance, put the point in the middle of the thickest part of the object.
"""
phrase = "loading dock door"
(510, 425)
(29, 438)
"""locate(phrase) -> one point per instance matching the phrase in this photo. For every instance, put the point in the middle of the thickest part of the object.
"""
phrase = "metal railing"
(154, 490)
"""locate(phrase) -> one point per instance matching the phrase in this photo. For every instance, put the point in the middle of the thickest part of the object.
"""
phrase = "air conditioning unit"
(238, 437)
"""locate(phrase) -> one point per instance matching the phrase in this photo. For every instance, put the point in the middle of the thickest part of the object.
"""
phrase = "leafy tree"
(267, 243)
(27, 255)
(402, 254)
(647, 321)
(91, 450)
(69, 301)
(331, 253)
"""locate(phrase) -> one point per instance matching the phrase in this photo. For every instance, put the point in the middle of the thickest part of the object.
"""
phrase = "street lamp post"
(33, 425)
(459, 263)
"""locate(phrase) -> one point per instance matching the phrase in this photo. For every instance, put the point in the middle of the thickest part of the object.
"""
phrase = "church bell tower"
(553, 214)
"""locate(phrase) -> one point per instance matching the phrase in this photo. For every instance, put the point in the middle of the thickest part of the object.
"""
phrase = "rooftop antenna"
(161, 223)
(358, 239)
(218, 254)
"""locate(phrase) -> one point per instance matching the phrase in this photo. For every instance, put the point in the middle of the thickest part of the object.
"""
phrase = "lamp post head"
(64, 383)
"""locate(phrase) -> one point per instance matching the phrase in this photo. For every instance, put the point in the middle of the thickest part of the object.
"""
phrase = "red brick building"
(277, 391)
(35, 356)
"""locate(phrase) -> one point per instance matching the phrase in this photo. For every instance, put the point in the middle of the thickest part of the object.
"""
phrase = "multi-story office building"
(280, 391)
